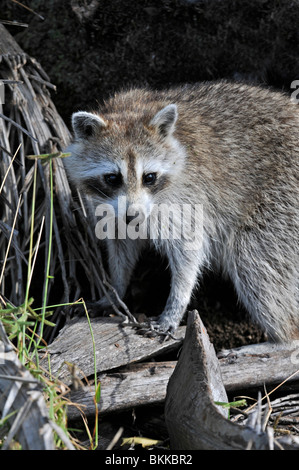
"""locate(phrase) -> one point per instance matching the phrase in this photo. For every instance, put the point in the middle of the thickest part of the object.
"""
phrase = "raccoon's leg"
(265, 276)
(122, 259)
(185, 266)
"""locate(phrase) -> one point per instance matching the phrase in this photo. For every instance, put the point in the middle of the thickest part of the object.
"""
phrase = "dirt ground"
(91, 52)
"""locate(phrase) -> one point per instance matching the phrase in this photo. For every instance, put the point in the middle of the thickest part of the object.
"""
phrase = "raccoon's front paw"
(164, 324)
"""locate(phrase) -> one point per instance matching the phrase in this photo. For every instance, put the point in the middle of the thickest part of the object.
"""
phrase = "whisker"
(98, 190)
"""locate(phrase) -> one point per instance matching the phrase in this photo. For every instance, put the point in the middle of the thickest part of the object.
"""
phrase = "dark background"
(156, 43)
(111, 44)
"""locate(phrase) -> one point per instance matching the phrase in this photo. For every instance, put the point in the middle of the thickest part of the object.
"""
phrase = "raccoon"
(229, 149)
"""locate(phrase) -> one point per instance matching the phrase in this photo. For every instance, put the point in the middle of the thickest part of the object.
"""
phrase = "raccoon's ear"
(85, 124)
(164, 121)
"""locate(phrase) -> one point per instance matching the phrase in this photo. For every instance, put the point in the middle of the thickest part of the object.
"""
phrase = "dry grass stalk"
(30, 124)
(33, 213)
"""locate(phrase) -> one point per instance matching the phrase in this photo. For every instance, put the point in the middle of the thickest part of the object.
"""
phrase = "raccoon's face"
(127, 160)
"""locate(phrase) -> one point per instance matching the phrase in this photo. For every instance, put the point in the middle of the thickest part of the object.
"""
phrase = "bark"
(115, 345)
(21, 396)
(193, 419)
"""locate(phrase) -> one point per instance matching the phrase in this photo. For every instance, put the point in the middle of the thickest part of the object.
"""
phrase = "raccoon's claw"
(163, 325)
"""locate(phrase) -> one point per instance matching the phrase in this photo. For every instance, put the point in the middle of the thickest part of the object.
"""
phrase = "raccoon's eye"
(113, 179)
(149, 178)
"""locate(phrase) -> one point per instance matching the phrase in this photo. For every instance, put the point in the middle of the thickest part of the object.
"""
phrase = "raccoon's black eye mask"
(113, 179)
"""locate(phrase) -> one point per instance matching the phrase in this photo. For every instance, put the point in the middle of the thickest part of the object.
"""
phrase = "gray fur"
(232, 148)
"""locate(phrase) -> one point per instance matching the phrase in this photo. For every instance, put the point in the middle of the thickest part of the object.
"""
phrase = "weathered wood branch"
(116, 346)
(139, 384)
(193, 419)
(21, 393)
(252, 366)
(247, 368)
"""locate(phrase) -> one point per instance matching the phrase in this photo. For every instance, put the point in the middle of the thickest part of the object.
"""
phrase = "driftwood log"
(127, 388)
(115, 345)
(193, 419)
(129, 380)
(21, 403)
(252, 366)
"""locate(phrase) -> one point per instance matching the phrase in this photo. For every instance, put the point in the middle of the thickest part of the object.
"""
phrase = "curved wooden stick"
(192, 418)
